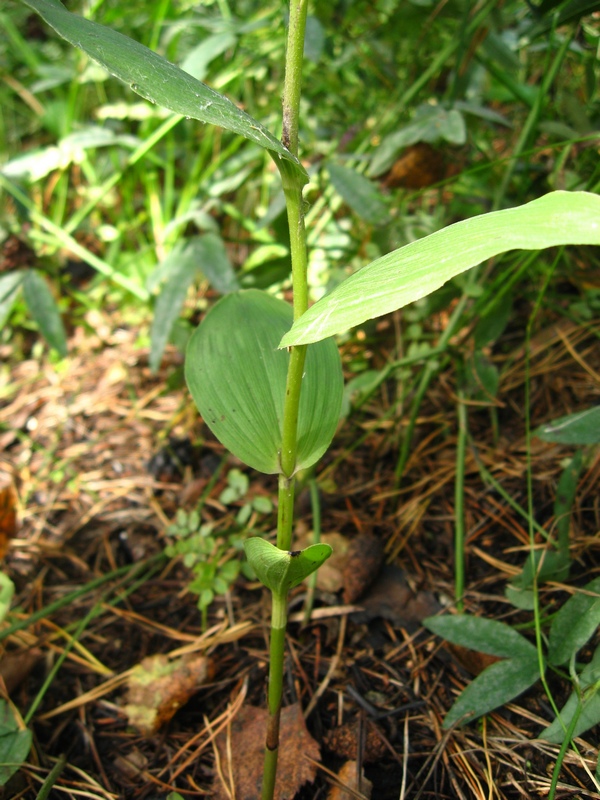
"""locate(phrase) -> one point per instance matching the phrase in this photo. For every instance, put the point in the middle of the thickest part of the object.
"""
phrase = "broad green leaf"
(498, 684)
(580, 428)
(587, 707)
(479, 633)
(204, 254)
(280, 570)
(421, 267)
(44, 311)
(155, 78)
(15, 743)
(10, 283)
(359, 193)
(237, 378)
(575, 623)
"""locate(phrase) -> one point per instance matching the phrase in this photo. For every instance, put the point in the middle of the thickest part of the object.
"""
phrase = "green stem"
(277, 655)
(459, 504)
(293, 74)
(285, 512)
(292, 187)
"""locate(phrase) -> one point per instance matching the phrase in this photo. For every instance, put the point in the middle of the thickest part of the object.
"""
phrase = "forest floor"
(102, 454)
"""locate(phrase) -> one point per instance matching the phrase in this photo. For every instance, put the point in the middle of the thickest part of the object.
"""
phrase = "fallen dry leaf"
(15, 666)
(330, 575)
(392, 598)
(158, 687)
(419, 166)
(363, 562)
(348, 776)
(8, 512)
(472, 660)
(132, 764)
(241, 750)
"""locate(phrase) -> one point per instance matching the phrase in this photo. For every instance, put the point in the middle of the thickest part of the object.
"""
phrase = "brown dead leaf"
(363, 562)
(330, 575)
(419, 166)
(241, 751)
(132, 764)
(348, 776)
(158, 687)
(472, 660)
(392, 598)
(15, 666)
(8, 512)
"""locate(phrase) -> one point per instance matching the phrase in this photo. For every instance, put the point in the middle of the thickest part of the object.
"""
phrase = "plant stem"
(285, 512)
(276, 662)
(292, 188)
(293, 74)
(459, 503)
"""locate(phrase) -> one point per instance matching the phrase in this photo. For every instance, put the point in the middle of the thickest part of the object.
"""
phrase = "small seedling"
(270, 398)
(208, 556)
(237, 487)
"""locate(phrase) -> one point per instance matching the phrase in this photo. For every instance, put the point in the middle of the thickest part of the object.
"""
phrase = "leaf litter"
(76, 444)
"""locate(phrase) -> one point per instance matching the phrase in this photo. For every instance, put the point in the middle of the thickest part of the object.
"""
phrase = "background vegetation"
(123, 223)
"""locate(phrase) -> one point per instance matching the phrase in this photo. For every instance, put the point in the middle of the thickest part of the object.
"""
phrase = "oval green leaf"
(237, 378)
(156, 79)
(421, 267)
(281, 570)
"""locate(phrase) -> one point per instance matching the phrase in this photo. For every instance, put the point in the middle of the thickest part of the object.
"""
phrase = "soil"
(103, 453)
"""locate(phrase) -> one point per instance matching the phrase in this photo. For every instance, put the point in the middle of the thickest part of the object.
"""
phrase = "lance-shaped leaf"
(205, 254)
(280, 570)
(478, 633)
(237, 378)
(582, 710)
(583, 427)
(361, 194)
(421, 267)
(156, 79)
(44, 311)
(10, 283)
(575, 623)
(498, 684)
